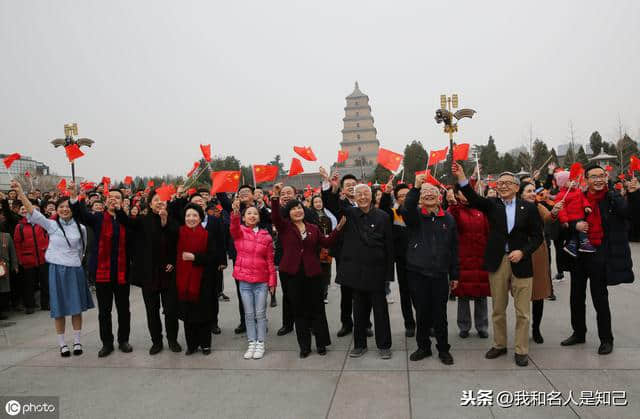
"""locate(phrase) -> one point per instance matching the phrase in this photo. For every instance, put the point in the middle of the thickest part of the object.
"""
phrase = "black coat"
(432, 249)
(614, 215)
(400, 232)
(155, 248)
(525, 236)
(634, 215)
(201, 311)
(366, 256)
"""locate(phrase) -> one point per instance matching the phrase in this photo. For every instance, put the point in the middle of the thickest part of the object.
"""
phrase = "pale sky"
(150, 80)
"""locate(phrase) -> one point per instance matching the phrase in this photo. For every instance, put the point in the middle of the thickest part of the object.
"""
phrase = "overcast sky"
(150, 80)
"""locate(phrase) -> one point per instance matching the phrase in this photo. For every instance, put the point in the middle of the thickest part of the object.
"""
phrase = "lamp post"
(69, 131)
(446, 114)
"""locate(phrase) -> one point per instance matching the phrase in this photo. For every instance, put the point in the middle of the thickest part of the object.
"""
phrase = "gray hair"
(362, 186)
(511, 174)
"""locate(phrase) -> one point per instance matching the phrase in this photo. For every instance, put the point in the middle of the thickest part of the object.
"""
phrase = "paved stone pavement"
(223, 385)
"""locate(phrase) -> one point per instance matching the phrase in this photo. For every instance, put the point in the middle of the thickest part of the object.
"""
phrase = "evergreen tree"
(381, 175)
(626, 148)
(509, 164)
(415, 159)
(570, 157)
(595, 142)
(540, 154)
(554, 156)
(581, 157)
(489, 157)
(277, 161)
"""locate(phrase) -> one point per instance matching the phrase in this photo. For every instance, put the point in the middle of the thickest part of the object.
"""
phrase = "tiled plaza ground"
(223, 385)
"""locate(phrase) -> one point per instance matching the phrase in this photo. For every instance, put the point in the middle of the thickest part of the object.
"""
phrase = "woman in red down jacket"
(473, 284)
(31, 242)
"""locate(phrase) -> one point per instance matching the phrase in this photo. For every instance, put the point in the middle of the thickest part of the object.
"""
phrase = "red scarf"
(596, 232)
(103, 273)
(189, 275)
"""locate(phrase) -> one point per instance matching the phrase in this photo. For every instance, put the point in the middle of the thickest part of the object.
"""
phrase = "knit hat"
(561, 178)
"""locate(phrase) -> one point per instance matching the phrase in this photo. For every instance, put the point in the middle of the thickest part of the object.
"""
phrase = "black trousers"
(288, 305)
(537, 307)
(325, 277)
(363, 302)
(29, 278)
(405, 294)
(240, 305)
(306, 294)
(152, 302)
(215, 306)
(106, 292)
(590, 266)
(430, 296)
(16, 281)
(346, 302)
(557, 244)
(197, 334)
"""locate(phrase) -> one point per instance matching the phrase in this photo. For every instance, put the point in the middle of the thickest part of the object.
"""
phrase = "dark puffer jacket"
(31, 242)
(473, 230)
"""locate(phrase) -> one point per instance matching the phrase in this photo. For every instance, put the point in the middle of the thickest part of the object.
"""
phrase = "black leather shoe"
(420, 354)
(206, 351)
(65, 352)
(105, 351)
(344, 331)
(175, 346)
(357, 352)
(482, 334)
(285, 330)
(410, 332)
(464, 334)
(274, 302)
(155, 348)
(369, 332)
(240, 329)
(572, 340)
(77, 349)
(522, 360)
(537, 336)
(446, 358)
(304, 354)
(29, 310)
(190, 351)
(216, 330)
(605, 348)
(125, 347)
(552, 297)
(495, 352)
(322, 351)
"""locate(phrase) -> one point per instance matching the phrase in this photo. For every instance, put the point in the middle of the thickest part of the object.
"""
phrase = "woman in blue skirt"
(68, 289)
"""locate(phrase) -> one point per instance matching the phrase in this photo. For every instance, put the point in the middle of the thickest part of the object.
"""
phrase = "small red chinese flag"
(634, 164)
(192, 191)
(62, 185)
(150, 184)
(305, 152)
(430, 179)
(128, 180)
(27, 174)
(206, 151)
(575, 171)
(621, 176)
(165, 192)
(87, 186)
(343, 155)
(436, 156)
(492, 184)
(193, 169)
(8, 161)
(421, 172)
(618, 186)
(389, 159)
(225, 181)
(608, 168)
(460, 152)
(264, 173)
(73, 152)
(296, 167)
(106, 184)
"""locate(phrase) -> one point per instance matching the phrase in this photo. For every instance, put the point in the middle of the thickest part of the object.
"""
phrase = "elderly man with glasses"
(515, 232)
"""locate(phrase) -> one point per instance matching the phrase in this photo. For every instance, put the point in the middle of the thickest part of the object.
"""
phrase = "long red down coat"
(473, 230)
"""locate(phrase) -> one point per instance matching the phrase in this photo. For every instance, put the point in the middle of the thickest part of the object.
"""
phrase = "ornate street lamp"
(445, 115)
(69, 131)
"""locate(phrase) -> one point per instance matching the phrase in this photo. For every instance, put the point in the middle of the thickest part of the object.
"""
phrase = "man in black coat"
(515, 232)
(432, 263)
(366, 262)
(607, 227)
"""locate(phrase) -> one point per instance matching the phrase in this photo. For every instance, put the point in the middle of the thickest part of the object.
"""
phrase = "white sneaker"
(259, 350)
(250, 350)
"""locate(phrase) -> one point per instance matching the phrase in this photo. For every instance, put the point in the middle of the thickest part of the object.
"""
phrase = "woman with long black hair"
(69, 293)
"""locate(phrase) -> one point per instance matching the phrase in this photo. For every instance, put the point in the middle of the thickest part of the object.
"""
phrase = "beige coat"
(540, 261)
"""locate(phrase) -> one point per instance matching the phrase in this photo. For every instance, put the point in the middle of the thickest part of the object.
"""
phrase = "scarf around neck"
(188, 274)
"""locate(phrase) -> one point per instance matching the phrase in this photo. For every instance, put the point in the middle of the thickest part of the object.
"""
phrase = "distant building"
(359, 136)
(20, 167)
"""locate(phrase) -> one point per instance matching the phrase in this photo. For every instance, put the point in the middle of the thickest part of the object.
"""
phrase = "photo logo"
(12, 407)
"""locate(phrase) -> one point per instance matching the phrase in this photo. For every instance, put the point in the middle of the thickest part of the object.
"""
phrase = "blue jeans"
(254, 299)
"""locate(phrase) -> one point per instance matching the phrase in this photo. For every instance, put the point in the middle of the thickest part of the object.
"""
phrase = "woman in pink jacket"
(256, 272)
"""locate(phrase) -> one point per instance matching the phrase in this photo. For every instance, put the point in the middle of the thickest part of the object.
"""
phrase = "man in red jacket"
(31, 243)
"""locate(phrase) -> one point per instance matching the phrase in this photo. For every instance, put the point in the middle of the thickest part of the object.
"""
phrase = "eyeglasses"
(504, 183)
(597, 177)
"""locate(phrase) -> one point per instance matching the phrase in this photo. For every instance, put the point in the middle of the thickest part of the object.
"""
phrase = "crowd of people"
(468, 241)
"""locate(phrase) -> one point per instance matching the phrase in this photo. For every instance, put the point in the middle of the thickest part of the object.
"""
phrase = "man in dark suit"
(515, 232)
